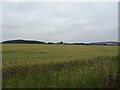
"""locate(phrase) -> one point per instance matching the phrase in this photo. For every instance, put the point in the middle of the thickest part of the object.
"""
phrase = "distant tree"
(51, 43)
(118, 43)
(60, 42)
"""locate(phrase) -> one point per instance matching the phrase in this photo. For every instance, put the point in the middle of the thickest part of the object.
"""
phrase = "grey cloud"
(69, 22)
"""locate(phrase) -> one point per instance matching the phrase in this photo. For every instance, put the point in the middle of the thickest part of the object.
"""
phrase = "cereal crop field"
(59, 66)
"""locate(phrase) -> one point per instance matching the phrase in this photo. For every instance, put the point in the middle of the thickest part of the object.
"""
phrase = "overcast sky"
(68, 22)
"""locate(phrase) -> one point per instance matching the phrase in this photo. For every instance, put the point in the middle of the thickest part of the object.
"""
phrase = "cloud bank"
(68, 22)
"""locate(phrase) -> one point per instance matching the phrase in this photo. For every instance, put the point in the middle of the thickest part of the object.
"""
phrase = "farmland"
(59, 66)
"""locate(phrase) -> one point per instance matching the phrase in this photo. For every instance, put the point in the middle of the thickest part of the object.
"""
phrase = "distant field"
(41, 66)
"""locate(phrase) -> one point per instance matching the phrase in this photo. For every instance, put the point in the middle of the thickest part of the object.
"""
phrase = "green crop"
(59, 66)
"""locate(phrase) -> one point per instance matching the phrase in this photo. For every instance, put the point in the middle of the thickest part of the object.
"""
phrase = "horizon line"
(59, 41)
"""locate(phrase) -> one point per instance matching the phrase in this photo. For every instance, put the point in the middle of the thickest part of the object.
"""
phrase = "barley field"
(59, 66)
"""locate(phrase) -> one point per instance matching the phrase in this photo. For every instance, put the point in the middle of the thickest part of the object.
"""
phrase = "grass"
(59, 66)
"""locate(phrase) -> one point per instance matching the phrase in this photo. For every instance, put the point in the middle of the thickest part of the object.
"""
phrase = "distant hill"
(23, 42)
(39, 42)
(105, 43)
